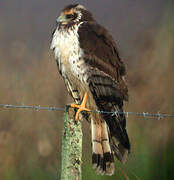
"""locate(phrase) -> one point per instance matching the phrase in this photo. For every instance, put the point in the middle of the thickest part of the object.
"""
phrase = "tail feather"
(109, 138)
(102, 156)
(109, 96)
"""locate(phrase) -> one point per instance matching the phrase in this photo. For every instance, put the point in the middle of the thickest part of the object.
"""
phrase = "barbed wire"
(35, 107)
(115, 113)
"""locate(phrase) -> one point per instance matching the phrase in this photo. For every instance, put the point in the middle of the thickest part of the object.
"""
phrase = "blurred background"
(30, 141)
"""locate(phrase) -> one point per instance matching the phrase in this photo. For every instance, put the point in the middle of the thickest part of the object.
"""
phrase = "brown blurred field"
(30, 141)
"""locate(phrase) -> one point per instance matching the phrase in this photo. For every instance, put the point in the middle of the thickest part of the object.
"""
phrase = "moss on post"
(71, 147)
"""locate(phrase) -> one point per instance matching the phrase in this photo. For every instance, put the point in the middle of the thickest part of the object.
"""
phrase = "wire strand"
(115, 113)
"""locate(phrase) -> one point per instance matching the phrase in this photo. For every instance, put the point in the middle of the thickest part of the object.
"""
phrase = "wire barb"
(146, 115)
(115, 113)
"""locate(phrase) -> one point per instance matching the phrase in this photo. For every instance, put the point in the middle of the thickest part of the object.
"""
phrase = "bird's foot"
(81, 107)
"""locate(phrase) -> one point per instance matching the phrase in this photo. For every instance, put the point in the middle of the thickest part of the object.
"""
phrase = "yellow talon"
(81, 107)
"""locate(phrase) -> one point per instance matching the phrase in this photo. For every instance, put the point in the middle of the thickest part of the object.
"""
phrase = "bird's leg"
(81, 107)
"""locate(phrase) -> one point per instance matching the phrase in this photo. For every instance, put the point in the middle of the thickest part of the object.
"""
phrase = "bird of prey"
(89, 62)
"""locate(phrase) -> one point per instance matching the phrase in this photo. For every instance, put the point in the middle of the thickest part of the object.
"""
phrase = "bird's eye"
(68, 16)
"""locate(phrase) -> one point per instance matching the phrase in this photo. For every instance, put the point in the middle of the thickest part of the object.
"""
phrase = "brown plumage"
(88, 60)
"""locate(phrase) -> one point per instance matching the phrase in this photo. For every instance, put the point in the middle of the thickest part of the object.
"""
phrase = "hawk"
(89, 62)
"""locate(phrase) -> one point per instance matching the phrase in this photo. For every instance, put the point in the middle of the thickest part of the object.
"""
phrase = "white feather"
(68, 52)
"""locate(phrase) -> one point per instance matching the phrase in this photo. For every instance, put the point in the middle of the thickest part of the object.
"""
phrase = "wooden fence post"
(71, 147)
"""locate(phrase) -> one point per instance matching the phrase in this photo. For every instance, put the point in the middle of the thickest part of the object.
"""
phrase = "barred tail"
(109, 138)
(102, 156)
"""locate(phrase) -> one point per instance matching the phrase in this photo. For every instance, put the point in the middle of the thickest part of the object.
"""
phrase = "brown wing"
(106, 82)
(101, 52)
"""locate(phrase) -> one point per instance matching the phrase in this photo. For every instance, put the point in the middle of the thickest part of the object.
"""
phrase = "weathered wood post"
(71, 147)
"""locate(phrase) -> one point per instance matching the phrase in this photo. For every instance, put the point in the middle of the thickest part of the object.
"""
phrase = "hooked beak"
(61, 19)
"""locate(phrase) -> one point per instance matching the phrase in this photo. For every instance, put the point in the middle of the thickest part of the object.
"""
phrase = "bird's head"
(74, 14)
